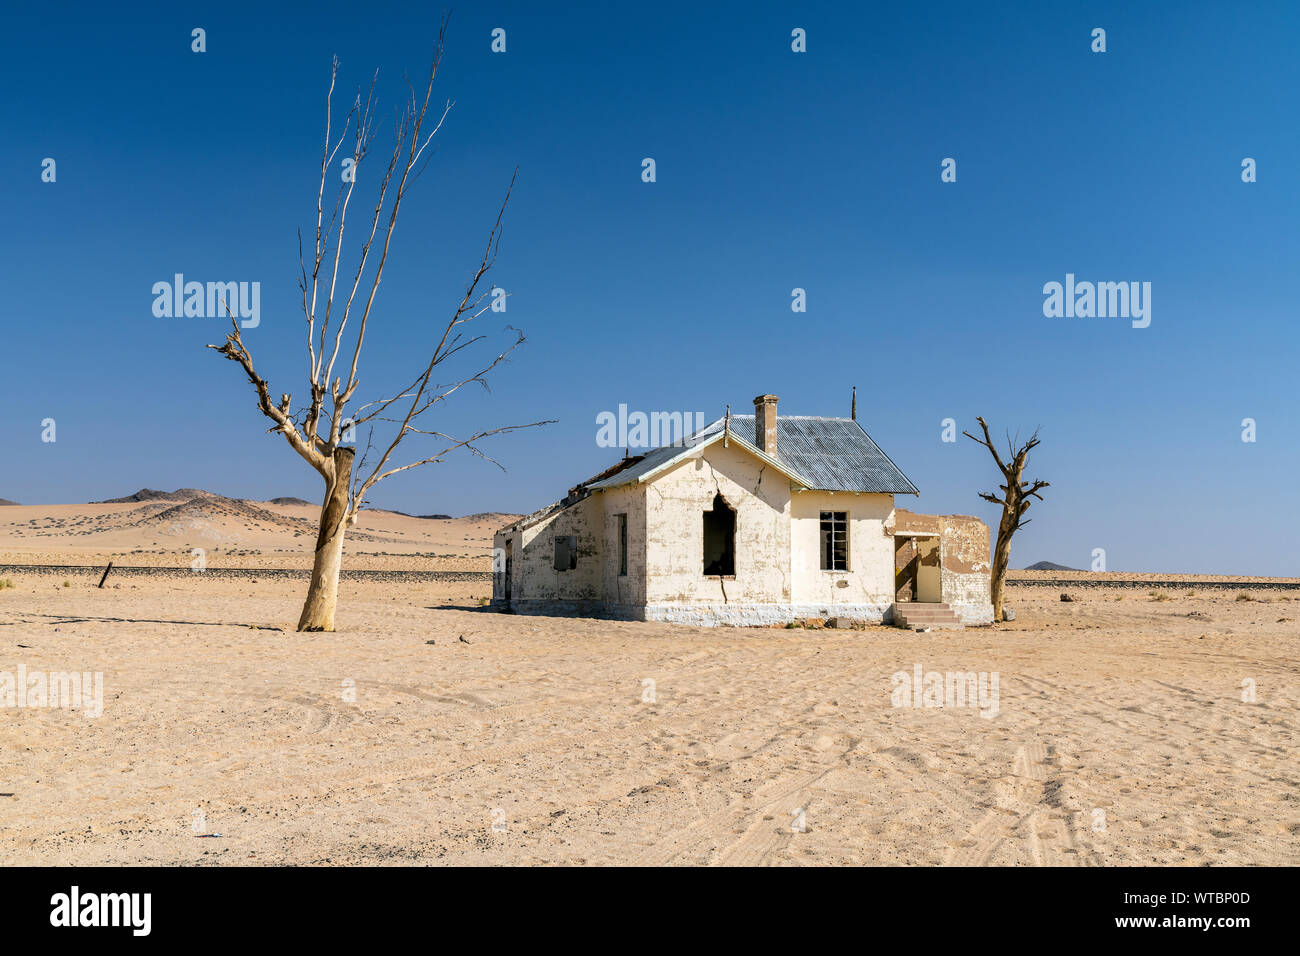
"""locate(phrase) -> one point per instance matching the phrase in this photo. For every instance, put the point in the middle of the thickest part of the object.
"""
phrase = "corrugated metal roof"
(832, 454)
(835, 454)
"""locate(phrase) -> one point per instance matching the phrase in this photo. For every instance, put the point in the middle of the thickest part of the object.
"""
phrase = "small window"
(566, 552)
(622, 545)
(835, 541)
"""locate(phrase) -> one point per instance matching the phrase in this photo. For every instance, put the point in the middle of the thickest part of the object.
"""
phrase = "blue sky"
(775, 170)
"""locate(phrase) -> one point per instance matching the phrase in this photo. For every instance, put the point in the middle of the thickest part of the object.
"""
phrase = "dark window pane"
(566, 552)
(720, 538)
(622, 544)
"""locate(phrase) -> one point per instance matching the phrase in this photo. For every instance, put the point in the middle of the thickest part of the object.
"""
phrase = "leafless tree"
(1015, 501)
(337, 322)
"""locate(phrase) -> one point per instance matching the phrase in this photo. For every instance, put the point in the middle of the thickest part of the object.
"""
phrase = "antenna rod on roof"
(726, 428)
(855, 403)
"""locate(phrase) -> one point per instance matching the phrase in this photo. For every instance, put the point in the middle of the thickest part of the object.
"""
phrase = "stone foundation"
(704, 615)
(761, 615)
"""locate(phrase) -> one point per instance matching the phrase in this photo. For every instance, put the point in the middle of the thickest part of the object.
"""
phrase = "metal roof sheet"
(832, 454)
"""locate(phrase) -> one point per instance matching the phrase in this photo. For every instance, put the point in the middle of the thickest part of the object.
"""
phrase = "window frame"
(839, 524)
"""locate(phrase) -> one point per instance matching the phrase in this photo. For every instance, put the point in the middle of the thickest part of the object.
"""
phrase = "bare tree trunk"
(1015, 501)
(1001, 560)
(323, 592)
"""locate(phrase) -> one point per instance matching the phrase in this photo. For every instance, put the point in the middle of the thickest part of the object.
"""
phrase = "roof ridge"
(821, 418)
(832, 459)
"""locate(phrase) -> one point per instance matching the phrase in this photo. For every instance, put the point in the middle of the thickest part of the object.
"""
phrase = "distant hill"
(405, 515)
(203, 502)
(184, 494)
(1049, 566)
(151, 494)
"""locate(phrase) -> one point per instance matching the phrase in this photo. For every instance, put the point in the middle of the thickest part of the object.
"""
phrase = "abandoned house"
(752, 520)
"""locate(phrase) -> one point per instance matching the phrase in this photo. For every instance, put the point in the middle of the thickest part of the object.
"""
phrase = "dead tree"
(1015, 501)
(337, 321)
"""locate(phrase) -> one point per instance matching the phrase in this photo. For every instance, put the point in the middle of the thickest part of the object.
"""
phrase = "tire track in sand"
(1027, 807)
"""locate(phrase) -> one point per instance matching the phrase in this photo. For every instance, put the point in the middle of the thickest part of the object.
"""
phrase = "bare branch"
(415, 123)
(236, 351)
(467, 443)
(987, 442)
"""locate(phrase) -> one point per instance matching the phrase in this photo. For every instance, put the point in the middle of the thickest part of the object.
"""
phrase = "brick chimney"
(765, 423)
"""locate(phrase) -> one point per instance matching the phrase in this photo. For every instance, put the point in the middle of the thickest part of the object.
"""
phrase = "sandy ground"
(1121, 736)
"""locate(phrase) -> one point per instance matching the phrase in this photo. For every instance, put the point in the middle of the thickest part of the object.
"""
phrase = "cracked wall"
(676, 503)
(963, 560)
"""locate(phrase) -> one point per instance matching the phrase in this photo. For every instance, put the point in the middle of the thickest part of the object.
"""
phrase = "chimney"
(765, 423)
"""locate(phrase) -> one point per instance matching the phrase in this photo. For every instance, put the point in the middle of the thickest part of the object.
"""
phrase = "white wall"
(870, 577)
(629, 500)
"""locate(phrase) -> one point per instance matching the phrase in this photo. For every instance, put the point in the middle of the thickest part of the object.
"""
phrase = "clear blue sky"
(775, 170)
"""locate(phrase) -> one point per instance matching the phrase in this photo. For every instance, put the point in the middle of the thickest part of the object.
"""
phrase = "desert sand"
(1121, 734)
(233, 533)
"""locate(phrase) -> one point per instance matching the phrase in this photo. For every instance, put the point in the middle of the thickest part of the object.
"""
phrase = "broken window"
(622, 544)
(720, 539)
(835, 541)
(566, 552)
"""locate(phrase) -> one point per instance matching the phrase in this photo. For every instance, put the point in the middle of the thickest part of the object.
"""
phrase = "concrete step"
(934, 616)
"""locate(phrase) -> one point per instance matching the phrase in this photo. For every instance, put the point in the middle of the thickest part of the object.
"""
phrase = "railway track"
(127, 570)
(1156, 583)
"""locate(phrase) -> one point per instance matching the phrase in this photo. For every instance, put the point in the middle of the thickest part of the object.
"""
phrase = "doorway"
(916, 569)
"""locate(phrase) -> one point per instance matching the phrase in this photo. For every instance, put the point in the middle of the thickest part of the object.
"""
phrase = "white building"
(758, 519)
